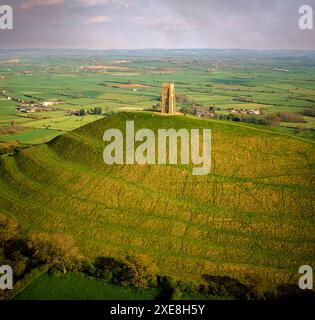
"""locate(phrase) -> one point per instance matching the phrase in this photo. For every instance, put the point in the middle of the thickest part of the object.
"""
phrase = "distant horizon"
(161, 49)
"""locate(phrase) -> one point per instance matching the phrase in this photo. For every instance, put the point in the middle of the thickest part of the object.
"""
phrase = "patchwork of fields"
(251, 218)
(114, 80)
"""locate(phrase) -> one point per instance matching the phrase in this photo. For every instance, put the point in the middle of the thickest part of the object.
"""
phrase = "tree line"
(59, 253)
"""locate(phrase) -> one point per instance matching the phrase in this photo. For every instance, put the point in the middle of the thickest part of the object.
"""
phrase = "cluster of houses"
(211, 112)
(243, 111)
(4, 96)
(29, 107)
(202, 114)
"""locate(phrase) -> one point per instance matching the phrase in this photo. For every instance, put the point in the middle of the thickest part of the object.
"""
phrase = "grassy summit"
(251, 217)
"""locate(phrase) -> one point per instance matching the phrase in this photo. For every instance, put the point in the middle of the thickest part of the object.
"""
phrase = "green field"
(268, 81)
(35, 136)
(251, 218)
(76, 286)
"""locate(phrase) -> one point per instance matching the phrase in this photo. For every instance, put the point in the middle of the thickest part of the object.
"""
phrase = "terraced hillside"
(251, 217)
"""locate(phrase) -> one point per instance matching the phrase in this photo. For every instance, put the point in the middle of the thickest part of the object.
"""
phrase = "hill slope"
(253, 215)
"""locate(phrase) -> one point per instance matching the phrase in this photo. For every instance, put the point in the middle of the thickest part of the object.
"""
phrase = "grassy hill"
(252, 217)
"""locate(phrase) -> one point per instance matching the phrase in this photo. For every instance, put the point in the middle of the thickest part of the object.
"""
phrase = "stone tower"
(168, 101)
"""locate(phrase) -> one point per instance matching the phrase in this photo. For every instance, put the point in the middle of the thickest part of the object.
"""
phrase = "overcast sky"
(132, 24)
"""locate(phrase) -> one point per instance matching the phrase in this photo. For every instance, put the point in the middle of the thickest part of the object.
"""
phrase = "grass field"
(76, 286)
(33, 136)
(269, 81)
(251, 218)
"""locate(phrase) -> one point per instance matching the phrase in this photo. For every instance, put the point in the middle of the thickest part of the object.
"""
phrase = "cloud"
(98, 19)
(119, 3)
(251, 24)
(166, 23)
(27, 4)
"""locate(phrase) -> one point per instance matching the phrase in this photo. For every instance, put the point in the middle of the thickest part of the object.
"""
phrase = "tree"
(273, 119)
(12, 247)
(183, 98)
(97, 110)
(227, 287)
(139, 270)
(168, 288)
(309, 112)
(56, 249)
(8, 229)
(156, 107)
(9, 146)
(20, 263)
